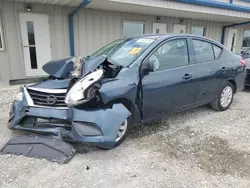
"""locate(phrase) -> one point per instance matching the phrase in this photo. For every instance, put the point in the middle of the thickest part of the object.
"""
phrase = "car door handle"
(223, 68)
(187, 76)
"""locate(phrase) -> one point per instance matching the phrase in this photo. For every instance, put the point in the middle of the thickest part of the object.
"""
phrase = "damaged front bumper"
(93, 126)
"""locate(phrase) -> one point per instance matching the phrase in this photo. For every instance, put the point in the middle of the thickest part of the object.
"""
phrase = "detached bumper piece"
(54, 150)
(97, 126)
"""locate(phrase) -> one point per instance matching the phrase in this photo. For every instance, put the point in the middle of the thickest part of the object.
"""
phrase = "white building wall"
(240, 2)
(97, 27)
(224, 1)
(93, 29)
(11, 60)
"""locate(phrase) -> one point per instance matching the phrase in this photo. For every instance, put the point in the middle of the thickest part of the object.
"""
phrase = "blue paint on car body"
(126, 91)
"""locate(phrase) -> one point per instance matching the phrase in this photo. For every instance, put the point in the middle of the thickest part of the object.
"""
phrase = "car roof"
(166, 36)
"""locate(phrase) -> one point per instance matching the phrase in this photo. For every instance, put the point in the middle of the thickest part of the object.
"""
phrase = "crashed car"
(97, 99)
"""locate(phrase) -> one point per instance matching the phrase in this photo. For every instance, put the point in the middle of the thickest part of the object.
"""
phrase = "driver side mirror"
(151, 65)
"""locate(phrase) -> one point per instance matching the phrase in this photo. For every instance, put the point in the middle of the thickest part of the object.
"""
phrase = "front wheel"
(224, 98)
(123, 131)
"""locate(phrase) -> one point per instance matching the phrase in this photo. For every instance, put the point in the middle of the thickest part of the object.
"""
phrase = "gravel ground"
(197, 148)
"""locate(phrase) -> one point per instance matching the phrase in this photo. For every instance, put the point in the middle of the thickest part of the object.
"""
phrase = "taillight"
(243, 62)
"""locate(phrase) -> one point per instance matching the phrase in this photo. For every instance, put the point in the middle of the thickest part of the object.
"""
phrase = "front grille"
(34, 122)
(41, 98)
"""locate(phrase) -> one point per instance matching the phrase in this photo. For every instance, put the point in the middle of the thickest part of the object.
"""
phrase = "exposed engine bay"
(84, 80)
(78, 101)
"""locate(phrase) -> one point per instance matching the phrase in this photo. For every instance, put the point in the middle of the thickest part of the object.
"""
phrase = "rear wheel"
(224, 98)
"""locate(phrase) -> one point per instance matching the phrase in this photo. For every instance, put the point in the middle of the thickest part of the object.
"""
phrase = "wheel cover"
(226, 96)
(122, 130)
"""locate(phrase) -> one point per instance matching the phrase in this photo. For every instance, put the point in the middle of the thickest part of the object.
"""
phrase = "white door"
(159, 28)
(179, 29)
(231, 39)
(36, 42)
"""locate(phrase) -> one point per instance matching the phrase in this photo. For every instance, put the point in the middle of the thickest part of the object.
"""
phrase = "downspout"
(227, 26)
(83, 4)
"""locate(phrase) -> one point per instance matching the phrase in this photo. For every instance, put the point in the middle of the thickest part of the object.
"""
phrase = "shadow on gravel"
(165, 122)
(210, 153)
(247, 89)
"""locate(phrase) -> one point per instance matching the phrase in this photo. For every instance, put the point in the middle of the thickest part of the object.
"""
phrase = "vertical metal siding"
(11, 39)
(93, 29)
(4, 56)
(12, 61)
(98, 27)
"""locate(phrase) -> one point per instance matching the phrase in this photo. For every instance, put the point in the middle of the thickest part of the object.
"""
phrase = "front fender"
(108, 120)
(121, 89)
(117, 89)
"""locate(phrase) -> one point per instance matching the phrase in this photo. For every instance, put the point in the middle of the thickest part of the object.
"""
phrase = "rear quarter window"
(217, 51)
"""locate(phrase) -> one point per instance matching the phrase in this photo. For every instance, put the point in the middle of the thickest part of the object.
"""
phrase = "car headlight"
(76, 93)
(19, 96)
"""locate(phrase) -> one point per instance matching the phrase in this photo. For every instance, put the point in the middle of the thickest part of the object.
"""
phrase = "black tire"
(217, 103)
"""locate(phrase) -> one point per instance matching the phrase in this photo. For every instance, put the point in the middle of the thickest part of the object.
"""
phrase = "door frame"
(180, 25)
(155, 23)
(230, 45)
(20, 40)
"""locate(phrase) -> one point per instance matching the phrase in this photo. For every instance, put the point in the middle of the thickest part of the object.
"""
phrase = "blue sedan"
(97, 99)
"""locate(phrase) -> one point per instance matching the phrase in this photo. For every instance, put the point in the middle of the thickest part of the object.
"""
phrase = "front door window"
(171, 54)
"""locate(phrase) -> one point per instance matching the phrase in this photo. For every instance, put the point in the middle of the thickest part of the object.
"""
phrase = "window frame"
(131, 21)
(3, 49)
(244, 47)
(214, 52)
(204, 40)
(204, 30)
(163, 43)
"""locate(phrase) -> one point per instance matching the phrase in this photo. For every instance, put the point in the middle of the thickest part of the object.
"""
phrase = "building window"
(2, 47)
(246, 39)
(198, 31)
(133, 28)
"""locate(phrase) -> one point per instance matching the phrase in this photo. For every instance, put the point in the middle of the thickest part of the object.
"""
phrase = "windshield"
(124, 51)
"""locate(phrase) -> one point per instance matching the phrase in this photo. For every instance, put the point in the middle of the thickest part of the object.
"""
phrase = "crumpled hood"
(67, 67)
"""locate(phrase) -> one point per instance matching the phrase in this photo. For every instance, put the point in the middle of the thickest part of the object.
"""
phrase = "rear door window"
(203, 51)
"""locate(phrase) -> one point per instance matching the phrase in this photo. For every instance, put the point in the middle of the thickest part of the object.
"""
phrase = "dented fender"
(120, 89)
(108, 120)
